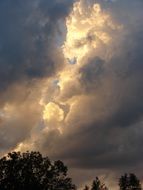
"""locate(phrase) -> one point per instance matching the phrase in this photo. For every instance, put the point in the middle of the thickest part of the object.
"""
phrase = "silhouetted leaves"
(96, 185)
(129, 182)
(29, 171)
(32, 171)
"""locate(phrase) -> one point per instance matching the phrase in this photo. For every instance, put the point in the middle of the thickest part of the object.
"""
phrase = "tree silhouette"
(97, 185)
(134, 182)
(31, 171)
(123, 182)
(129, 182)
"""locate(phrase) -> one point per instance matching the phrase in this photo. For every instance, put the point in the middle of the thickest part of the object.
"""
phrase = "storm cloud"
(28, 49)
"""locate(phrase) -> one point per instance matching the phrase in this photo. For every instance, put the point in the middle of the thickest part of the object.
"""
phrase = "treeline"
(126, 182)
(32, 171)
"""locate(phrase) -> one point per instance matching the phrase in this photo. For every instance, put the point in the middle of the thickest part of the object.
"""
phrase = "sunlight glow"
(89, 31)
(86, 28)
(53, 112)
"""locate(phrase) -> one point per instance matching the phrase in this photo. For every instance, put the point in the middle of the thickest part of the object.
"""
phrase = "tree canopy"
(96, 185)
(129, 182)
(30, 171)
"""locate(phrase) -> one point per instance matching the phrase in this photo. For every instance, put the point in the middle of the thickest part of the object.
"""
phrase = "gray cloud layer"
(27, 41)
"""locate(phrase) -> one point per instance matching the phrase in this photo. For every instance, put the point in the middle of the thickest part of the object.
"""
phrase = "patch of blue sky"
(72, 61)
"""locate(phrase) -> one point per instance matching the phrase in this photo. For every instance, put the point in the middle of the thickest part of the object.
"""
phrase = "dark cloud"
(56, 9)
(91, 73)
(27, 39)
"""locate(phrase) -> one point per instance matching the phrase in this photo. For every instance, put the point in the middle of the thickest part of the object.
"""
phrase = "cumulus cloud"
(103, 89)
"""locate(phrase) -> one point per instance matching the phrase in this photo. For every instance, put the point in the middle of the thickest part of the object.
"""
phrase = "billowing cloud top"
(71, 77)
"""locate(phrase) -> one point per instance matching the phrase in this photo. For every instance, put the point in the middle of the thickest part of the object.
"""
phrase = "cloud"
(29, 56)
(103, 91)
(28, 49)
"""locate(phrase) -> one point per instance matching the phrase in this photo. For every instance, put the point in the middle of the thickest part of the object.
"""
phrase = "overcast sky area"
(71, 84)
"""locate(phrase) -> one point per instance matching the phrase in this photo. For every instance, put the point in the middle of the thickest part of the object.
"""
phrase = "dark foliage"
(96, 185)
(31, 171)
(129, 182)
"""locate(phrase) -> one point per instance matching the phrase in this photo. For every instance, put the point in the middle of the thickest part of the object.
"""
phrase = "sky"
(71, 84)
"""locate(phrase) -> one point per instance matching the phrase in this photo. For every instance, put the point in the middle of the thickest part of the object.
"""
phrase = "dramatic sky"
(71, 84)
